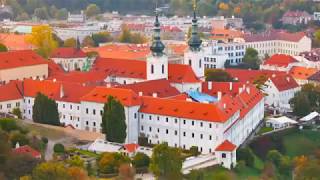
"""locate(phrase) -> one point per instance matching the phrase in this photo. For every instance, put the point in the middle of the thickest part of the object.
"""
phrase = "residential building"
(280, 62)
(76, 18)
(278, 42)
(222, 23)
(302, 74)
(296, 17)
(18, 65)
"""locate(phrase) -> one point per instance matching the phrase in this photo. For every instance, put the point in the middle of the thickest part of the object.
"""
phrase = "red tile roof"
(275, 35)
(179, 73)
(54, 68)
(131, 147)
(296, 14)
(245, 76)
(284, 82)
(14, 59)
(226, 146)
(11, 91)
(280, 60)
(185, 109)
(68, 52)
(91, 77)
(303, 73)
(15, 42)
(48, 88)
(27, 150)
(161, 87)
(100, 95)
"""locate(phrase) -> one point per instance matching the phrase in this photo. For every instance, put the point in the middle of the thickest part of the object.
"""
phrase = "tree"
(166, 162)
(8, 125)
(309, 171)
(251, 58)
(58, 148)
(110, 162)
(71, 42)
(125, 36)
(76, 161)
(218, 75)
(140, 160)
(42, 38)
(194, 151)
(126, 172)
(18, 137)
(301, 104)
(50, 171)
(3, 48)
(268, 172)
(45, 110)
(260, 81)
(114, 121)
(41, 13)
(274, 156)
(246, 155)
(61, 14)
(101, 37)
(17, 112)
(88, 42)
(92, 10)
(77, 173)
(19, 165)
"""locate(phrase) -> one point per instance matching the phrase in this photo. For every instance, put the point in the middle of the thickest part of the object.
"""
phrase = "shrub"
(246, 155)
(17, 112)
(141, 160)
(58, 148)
(8, 125)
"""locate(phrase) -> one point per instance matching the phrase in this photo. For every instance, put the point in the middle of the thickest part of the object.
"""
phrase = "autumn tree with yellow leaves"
(42, 38)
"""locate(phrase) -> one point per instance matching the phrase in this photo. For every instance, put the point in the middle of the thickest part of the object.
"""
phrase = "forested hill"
(263, 10)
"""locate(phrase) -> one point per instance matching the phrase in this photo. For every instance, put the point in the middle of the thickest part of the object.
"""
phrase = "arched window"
(200, 63)
(162, 68)
(190, 63)
(152, 69)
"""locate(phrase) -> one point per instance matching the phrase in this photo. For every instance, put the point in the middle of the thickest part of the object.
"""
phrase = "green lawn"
(265, 130)
(303, 142)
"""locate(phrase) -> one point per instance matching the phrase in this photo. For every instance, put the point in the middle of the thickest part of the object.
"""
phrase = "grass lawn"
(265, 130)
(303, 142)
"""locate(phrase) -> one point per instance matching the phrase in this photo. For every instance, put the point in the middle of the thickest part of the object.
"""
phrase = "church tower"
(194, 55)
(157, 61)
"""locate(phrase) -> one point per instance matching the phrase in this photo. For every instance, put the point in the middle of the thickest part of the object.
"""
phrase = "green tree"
(101, 37)
(126, 172)
(61, 14)
(251, 58)
(114, 121)
(166, 162)
(92, 10)
(194, 151)
(301, 104)
(50, 171)
(274, 156)
(110, 162)
(125, 36)
(3, 48)
(217, 75)
(140, 160)
(8, 124)
(71, 42)
(41, 13)
(246, 155)
(45, 110)
(88, 42)
(76, 161)
(17, 112)
(309, 171)
(58, 148)
(18, 137)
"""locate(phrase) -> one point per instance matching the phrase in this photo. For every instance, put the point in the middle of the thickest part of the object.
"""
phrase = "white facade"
(71, 64)
(184, 87)
(77, 32)
(157, 67)
(8, 106)
(195, 59)
(271, 47)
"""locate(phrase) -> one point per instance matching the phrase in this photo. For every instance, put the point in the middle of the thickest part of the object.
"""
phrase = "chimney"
(108, 85)
(209, 85)
(230, 86)
(54, 80)
(140, 93)
(219, 95)
(248, 90)
(240, 90)
(288, 79)
(17, 145)
(154, 95)
(224, 106)
(273, 75)
(61, 91)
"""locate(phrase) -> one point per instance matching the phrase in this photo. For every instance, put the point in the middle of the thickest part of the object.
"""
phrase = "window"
(135, 115)
(210, 125)
(162, 68)
(167, 120)
(87, 111)
(223, 155)
(152, 69)
(141, 116)
(124, 82)
(150, 129)
(192, 122)
(184, 121)
(87, 122)
(176, 121)
(201, 136)
(150, 117)
(201, 124)
(184, 134)
(78, 107)
(200, 63)
(167, 131)
(70, 106)
(63, 105)
(8, 105)
(141, 128)
(175, 132)
(94, 123)
(101, 112)
(158, 118)
(210, 137)
(190, 62)
(0, 106)
(192, 135)
(18, 104)
(158, 130)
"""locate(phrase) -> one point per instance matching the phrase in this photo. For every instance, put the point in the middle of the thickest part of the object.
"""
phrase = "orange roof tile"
(91, 77)
(68, 52)
(27, 150)
(179, 73)
(280, 60)
(303, 73)
(48, 88)
(226, 146)
(185, 109)
(161, 87)
(14, 59)
(131, 147)
(11, 91)
(15, 42)
(100, 94)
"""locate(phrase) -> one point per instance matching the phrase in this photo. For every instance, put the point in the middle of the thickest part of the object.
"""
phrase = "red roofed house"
(278, 42)
(71, 59)
(279, 87)
(10, 96)
(279, 62)
(18, 65)
(226, 153)
(301, 74)
(296, 17)
(27, 150)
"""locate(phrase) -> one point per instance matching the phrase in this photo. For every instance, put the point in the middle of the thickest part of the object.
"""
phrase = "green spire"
(157, 46)
(194, 41)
